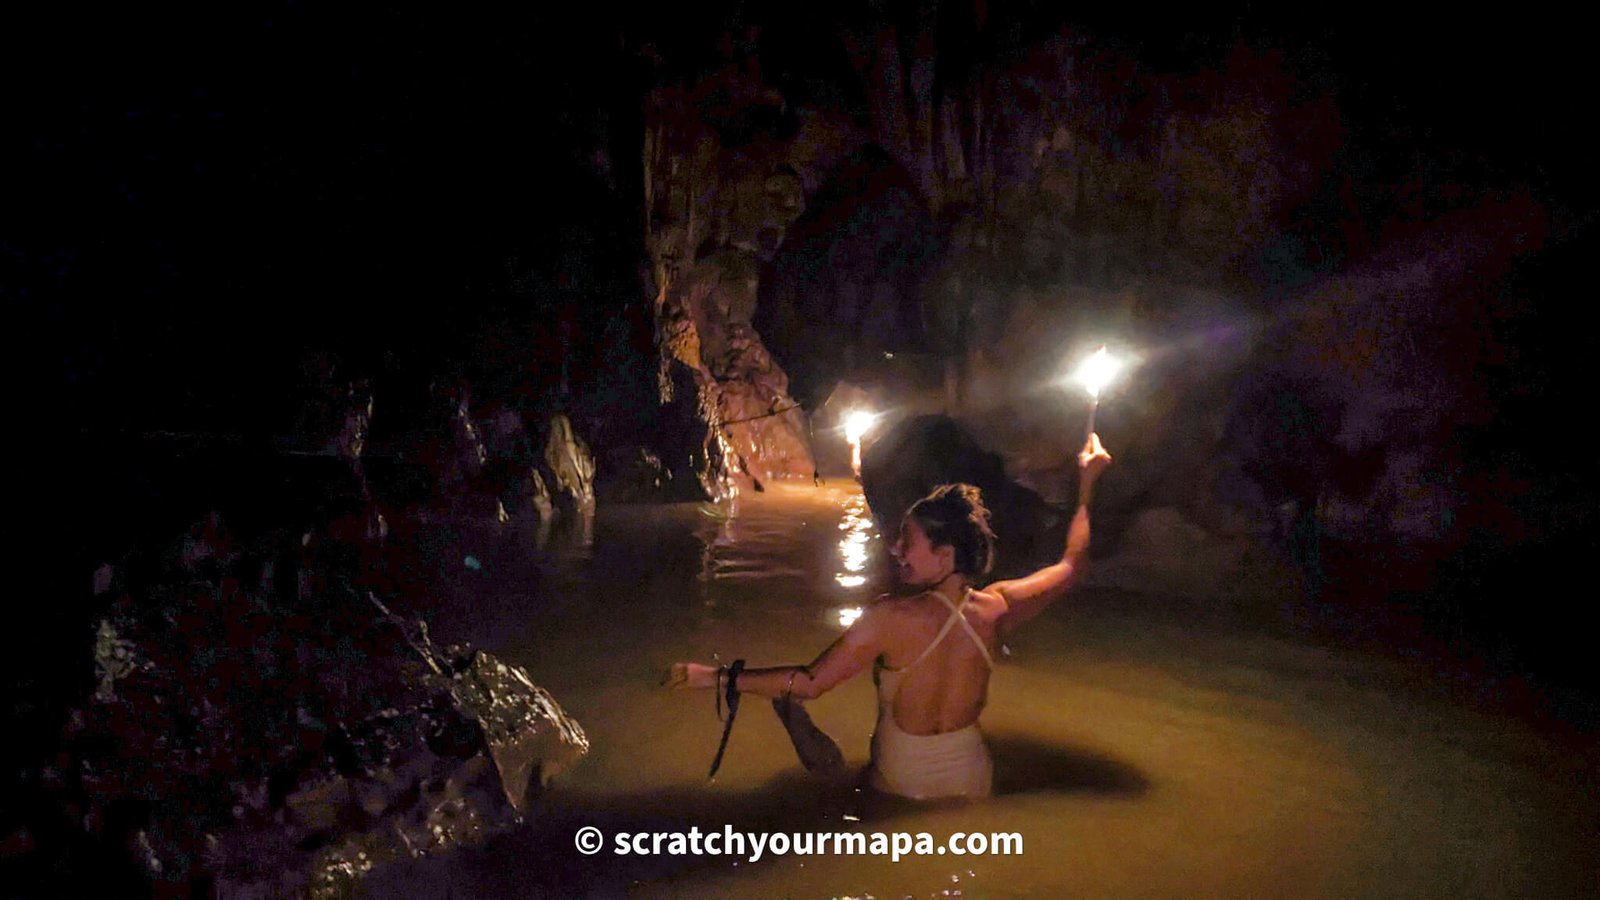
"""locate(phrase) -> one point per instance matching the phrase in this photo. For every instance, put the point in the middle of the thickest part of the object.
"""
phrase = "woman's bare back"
(947, 689)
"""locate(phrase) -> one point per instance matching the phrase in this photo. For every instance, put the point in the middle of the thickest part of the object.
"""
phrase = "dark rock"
(633, 475)
(696, 458)
(336, 411)
(916, 455)
(266, 740)
(1164, 553)
(496, 462)
(512, 467)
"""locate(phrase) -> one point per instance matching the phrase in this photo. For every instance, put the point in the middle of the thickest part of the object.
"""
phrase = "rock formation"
(264, 724)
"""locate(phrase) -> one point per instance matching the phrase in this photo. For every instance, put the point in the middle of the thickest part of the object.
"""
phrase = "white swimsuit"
(923, 767)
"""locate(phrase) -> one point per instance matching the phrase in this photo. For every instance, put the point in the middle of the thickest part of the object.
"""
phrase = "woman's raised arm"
(1026, 597)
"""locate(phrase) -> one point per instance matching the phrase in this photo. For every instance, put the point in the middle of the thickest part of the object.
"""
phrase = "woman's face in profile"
(918, 563)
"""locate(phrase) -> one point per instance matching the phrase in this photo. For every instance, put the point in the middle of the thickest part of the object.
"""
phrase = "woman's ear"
(946, 555)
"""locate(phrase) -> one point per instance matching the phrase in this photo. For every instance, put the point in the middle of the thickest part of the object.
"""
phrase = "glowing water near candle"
(858, 532)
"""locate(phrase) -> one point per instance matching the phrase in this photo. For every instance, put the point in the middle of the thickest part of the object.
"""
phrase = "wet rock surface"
(260, 723)
(570, 467)
(717, 209)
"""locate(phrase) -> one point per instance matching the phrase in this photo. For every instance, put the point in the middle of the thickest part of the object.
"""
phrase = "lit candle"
(1094, 374)
(856, 424)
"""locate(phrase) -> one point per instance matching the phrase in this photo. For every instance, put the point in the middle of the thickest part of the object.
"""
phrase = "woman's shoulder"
(888, 615)
(905, 605)
(888, 603)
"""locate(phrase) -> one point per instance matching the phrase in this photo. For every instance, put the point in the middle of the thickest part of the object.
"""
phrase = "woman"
(931, 653)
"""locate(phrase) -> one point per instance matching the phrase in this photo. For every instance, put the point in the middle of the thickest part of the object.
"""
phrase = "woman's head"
(946, 531)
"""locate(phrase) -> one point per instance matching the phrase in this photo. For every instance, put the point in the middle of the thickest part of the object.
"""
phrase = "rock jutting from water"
(263, 741)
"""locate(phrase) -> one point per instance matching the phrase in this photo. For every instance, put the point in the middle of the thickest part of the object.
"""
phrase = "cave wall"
(944, 192)
(945, 203)
(717, 204)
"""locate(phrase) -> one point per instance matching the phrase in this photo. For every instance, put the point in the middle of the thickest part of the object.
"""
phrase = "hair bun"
(955, 514)
(964, 500)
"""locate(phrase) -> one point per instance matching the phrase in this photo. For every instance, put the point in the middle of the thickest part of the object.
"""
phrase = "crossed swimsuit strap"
(955, 617)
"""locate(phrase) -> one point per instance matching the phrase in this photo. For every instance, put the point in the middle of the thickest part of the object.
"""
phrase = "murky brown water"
(1137, 754)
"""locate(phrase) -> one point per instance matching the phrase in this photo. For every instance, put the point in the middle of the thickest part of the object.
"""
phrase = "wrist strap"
(733, 710)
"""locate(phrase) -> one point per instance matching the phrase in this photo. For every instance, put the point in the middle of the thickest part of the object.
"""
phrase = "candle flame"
(856, 424)
(1097, 371)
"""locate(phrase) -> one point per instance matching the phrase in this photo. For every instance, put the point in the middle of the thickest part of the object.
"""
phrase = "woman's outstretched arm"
(844, 658)
(1028, 596)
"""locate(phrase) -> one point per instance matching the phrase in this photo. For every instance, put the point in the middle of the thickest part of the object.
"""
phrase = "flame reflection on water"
(858, 531)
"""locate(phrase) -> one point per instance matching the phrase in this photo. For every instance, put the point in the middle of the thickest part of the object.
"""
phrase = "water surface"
(1140, 751)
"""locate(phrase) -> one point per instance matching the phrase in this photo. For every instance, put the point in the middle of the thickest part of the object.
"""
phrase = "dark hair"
(954, 515)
